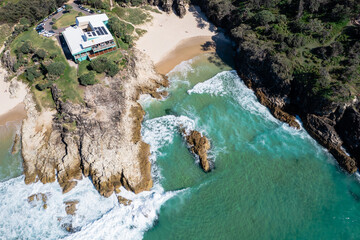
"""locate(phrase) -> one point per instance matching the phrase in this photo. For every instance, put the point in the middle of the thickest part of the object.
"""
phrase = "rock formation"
(70, 207)
(179, 6)
(124, 201)
(98, 138)
(38, 197)
(198, 145)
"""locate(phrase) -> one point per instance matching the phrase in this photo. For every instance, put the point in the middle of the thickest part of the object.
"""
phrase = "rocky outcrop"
(124, 201)
(198, 145)
(179, 6)
(38, 197)
(99, 137)
(334, 124)
(167, 5)
(275, 110)
(70, 207)
(8, 61)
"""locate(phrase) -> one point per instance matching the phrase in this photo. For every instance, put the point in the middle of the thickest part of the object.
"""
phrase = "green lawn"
(135, 16)
(67, 19)
(67, 82)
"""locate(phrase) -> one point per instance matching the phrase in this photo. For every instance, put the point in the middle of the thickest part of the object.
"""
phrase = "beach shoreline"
(12, 95)
(169, 40)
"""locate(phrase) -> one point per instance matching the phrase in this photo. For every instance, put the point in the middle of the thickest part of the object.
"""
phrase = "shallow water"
(269, 181)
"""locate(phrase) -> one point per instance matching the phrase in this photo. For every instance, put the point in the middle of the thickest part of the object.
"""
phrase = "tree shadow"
(201, 19)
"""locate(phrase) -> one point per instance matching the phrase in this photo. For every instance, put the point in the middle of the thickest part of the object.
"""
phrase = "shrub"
(264, 17)
(99, 64)
(32, 73)
(56, 68)
(68, 7)
(80, 14)
(54, 27)
(41, 54)
(53, 20)
(87, 79)
(113, 69)
(26, 47)
(102, 64)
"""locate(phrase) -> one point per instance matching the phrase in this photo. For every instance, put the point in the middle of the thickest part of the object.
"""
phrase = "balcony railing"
(99, 48)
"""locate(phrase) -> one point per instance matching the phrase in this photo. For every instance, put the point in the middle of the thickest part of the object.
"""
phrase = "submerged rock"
(16, 145)
(198, 145)
(124, 201)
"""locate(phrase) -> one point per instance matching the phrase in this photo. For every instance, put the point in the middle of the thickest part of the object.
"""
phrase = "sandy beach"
(12, 94)
(170, 40)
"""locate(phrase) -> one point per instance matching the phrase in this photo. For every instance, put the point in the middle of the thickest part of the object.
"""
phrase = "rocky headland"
(335, 124)
(99, 138)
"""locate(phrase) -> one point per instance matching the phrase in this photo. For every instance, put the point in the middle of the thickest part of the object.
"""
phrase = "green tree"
(87, 79)
(31, 73)
(68, 7)
(264, 17)
(26, 47)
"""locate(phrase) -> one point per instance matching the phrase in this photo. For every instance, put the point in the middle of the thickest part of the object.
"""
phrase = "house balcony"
(101, 47)
(98, 53)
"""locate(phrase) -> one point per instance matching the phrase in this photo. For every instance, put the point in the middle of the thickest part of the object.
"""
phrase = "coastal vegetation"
(135, 16)
(32, 10)
(309, 43)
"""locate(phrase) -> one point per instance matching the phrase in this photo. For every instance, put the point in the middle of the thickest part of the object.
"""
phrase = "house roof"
(78, 40)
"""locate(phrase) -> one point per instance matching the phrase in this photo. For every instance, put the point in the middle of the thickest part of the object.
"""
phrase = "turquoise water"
(269, 181)
(10, 165)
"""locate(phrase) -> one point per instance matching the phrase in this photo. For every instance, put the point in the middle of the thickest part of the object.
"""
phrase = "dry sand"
(170, 40)
(12, 94)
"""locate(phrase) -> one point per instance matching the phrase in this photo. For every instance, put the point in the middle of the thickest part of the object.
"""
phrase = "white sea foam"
(229, 83)
(96, 217)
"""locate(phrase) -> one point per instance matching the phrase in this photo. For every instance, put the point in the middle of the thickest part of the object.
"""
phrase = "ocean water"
(269, 181)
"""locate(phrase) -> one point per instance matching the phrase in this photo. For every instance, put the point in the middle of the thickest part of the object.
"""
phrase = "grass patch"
(135, 16)
(140, 31)
(5, 31)
(152, 9)
(67, 19)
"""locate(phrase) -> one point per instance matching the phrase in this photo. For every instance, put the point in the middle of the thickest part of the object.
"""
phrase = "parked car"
(98, 11)
(46, 19)
(91, 11)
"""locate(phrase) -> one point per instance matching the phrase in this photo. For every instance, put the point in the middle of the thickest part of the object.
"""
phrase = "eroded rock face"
(99, 138)
(198, 145)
